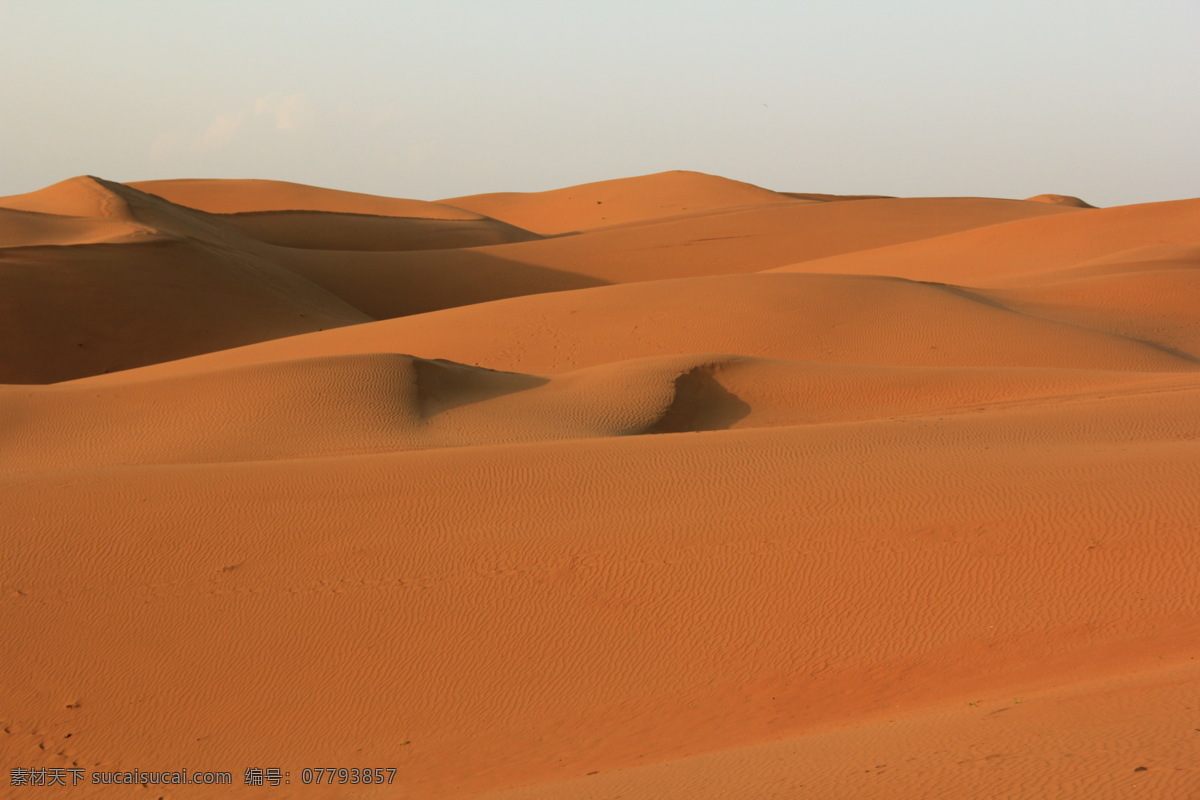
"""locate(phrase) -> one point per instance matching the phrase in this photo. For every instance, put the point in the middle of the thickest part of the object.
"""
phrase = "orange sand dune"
(593, 205)
(1150, 257)
(1060, 199)
(800, 317)
(134, 280)
(90, 201)
(67, 312)
(295, 215)
(239, 196)
(1018, 251)
(380, 402)
(753, 239)
(391, 284)
(99, 277)
(30, 228)
(1149, 293)
(720, 493)
(81, 196)
(673, 595)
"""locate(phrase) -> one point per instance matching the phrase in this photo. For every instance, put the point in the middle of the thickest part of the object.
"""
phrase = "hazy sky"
(1098, 98)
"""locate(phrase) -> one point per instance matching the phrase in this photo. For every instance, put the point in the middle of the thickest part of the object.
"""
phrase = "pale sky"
(437, 98)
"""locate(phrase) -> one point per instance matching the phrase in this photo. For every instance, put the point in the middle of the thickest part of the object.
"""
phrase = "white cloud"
(291, 112)
(220, 132)
(286, 112)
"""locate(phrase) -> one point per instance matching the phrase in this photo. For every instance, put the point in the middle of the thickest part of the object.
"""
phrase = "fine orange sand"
(660, 487)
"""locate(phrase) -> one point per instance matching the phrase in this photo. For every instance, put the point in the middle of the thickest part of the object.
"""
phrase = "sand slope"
(865, 320)
(662, 487)
(762, 237)
(1018, 251)
(137, 281)
(379, 402)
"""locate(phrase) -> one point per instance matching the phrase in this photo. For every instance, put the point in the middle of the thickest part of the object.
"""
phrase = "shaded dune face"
(659, 487)
(322, 230)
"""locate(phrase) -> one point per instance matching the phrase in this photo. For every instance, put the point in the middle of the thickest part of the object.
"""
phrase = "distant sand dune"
(1019, 250)
(662, 487)
(241, 196)
(760, 237)
(1060, 199)
(593, 205)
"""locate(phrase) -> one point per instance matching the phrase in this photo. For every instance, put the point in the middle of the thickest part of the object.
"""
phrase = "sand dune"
(762, 237)
(660, 487)
(388, 275)
(30, 229)
(593, 205)
(370, 403)
(135, 280)
(1060, 199)
(294, 215)
(241, 196)
(81, 196)
(808, 579)
(1148, 293)
(89, 309)
(1016, 252)
(865, 320)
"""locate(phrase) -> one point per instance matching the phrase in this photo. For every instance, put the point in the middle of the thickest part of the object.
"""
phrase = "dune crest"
(81, 196)
(614, 202)
(1060, 199)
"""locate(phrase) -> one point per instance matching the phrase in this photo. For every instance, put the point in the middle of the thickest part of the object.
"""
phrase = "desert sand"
(659, 487)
